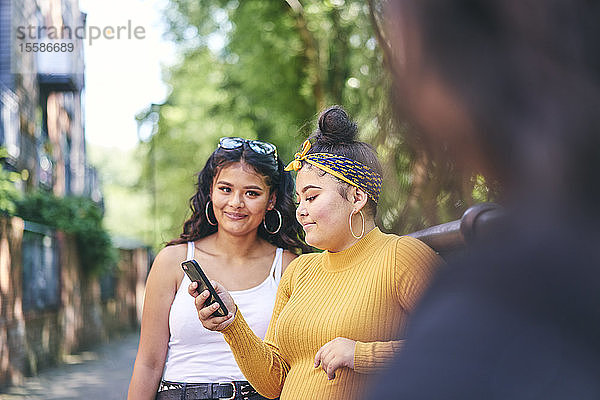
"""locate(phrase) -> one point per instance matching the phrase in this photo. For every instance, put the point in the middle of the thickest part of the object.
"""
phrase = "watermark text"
(89, 33)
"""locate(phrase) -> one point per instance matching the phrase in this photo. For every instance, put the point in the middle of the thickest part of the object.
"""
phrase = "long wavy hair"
(291, 234)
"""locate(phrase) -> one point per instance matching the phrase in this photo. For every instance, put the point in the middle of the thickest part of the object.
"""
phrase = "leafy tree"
(127, 206)
(264, 69)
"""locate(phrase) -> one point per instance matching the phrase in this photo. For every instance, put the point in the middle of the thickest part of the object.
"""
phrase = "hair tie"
(296, 164)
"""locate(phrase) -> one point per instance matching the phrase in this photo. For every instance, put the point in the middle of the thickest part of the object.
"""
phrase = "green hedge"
(78, 216)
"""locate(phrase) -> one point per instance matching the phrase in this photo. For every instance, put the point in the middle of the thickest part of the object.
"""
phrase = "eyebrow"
(245, 187)
(307, 187)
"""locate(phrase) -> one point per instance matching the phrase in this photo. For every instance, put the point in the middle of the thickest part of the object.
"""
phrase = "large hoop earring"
(362, 232)
(278, 226)
(206, 212)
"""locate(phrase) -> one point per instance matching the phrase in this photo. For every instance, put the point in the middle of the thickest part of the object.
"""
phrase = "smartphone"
(195, 273)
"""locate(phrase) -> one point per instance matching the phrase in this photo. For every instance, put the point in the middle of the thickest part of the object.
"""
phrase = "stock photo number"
(57, 47)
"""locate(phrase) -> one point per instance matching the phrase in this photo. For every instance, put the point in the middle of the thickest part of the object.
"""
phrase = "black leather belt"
(201, 391)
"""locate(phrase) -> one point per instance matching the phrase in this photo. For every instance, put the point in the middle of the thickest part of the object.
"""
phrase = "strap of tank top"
(190, 250)
(277, 265)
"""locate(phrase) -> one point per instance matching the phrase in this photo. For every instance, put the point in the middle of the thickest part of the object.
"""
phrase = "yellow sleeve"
(260, 362)
(372, 357)
(416, 264)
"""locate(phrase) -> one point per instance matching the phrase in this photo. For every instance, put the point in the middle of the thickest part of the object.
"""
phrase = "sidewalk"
(102, 374)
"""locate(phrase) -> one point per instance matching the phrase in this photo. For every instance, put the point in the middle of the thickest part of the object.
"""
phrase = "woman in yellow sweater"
(341, 314)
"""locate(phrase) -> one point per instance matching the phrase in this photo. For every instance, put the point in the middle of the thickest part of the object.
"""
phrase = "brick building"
(41, 122)
(48, 308)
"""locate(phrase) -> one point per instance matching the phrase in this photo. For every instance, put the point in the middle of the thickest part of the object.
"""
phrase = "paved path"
(102, 374)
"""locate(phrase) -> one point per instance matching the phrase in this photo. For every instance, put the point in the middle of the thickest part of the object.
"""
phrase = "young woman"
(340, 314)
(243, 233)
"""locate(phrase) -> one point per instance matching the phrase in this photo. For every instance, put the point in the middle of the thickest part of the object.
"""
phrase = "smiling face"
(322, 210)
(240, 197)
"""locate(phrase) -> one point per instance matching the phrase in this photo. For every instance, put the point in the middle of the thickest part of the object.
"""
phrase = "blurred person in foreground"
(340, 314)
(242, 232)
(512, 89)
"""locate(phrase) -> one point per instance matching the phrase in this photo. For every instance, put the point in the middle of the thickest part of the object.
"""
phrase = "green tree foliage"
(127, 207)
(8, 191)
(264, 69)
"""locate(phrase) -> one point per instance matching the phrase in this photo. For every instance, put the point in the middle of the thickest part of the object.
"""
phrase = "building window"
(10, 125)
(41, 273)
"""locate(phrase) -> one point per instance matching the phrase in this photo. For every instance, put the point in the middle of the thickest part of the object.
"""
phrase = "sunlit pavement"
(102, 374)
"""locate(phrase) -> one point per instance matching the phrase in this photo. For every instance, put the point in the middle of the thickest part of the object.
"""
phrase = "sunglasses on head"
(232, 143)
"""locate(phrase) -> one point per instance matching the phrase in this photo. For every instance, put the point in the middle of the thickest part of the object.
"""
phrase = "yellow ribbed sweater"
(363, 293)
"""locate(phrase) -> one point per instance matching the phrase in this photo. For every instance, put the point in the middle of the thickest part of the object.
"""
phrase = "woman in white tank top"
(243, 232)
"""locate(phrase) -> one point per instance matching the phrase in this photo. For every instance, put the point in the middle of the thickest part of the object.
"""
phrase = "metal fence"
(478, 222)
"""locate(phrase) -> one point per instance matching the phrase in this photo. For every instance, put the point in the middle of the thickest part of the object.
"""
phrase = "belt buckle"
(248, 389)
(234, 390)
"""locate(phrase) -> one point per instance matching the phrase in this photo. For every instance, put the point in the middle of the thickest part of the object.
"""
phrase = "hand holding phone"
(195, 273)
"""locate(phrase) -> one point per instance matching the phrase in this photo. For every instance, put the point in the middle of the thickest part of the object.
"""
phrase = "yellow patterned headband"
(346, 169)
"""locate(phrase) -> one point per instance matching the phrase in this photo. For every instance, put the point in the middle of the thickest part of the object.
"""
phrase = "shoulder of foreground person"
(515, 305)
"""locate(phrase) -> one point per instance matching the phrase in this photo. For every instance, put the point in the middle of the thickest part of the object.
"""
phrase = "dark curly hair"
(291, 234)
(336, 134)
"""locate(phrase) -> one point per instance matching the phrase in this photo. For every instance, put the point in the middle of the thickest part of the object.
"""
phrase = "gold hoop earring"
(278, 226)
(362, 232)
(207, 217)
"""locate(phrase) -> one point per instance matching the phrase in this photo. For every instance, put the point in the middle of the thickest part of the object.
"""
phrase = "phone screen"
(195, 273)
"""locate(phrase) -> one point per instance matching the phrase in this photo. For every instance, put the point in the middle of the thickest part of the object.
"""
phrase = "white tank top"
(197, 355)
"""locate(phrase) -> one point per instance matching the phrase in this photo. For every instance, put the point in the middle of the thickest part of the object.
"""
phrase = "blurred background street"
(100, 374)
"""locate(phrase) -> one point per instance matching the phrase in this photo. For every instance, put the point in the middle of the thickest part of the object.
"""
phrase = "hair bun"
(336, 127)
